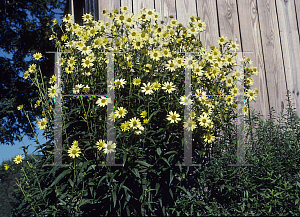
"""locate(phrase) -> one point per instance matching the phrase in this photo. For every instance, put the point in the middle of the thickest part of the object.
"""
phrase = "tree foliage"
(24, 30)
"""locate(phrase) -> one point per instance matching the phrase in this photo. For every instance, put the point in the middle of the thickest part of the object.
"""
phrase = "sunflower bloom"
(18, 159)
(6, 166)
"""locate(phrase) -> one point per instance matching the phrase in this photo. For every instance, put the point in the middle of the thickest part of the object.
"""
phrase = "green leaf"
(158, 150)
(136, 172)
(114, 198)
(170, 152)
(143, 163)
(157, 188)
(59, 177)
(71, 182)
(171, 177)
(166, 161)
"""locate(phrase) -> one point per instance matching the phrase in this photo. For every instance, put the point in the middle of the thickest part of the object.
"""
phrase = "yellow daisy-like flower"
(32, 68)
(77, 88)
(100, 144)
(109, 147)
(52, 91)
(233, 46)
(87, 62)
(190, 125)
(120, 82)
(185, 100)
(156, 85)
(74, 151)
(20, 107)
(125, 126)
(229, 100)
(209, 138)
(52, 79)
(18, 159)
(86, 88)
(204, 120)
(103, 101)
(251, 95)
(146, 121)
(125, 8)
(222, 40)
(6, 166)
(143, 114)
(134, 123)
(246, 110)
(121, 112)
(173, 117)
(136, 81)
(42, 123)
(147, 89)
(26, 75)
(169, 87)
(37, 56)
(155, 54)
(75, 143)
(87, 17)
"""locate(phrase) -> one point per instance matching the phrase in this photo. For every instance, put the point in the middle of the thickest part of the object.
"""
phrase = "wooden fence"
(268, 28)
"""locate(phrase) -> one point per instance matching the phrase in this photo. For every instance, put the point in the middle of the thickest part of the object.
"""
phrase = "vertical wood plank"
(207, 11)
(185, 8)
(251, 41)
(290, 48)
(272, 54)
(228, 20)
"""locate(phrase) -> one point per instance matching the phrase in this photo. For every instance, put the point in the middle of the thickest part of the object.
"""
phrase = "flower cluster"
(153, 50)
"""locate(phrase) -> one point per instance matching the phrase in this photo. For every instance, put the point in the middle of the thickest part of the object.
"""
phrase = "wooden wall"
(268, 28)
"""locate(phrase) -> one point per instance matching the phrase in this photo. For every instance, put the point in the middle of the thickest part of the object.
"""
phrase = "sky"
(8, 151)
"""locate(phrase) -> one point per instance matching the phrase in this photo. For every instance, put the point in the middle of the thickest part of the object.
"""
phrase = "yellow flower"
(173, 117)
(26, 75)
(75, 143)
(121, 112)
(100, 144)
(18, 159)
(136, 81)
(6, 166)
(54, 21)
(52, 79)
(109, 147)
(190, 125)
(20, 107)
(146, 121)
(147, 89)
(103, 101)
(43, 123)
(74, 151)
(169, 87)
(209, 138)
(143, 114)
(37, 56)
(134, 123)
